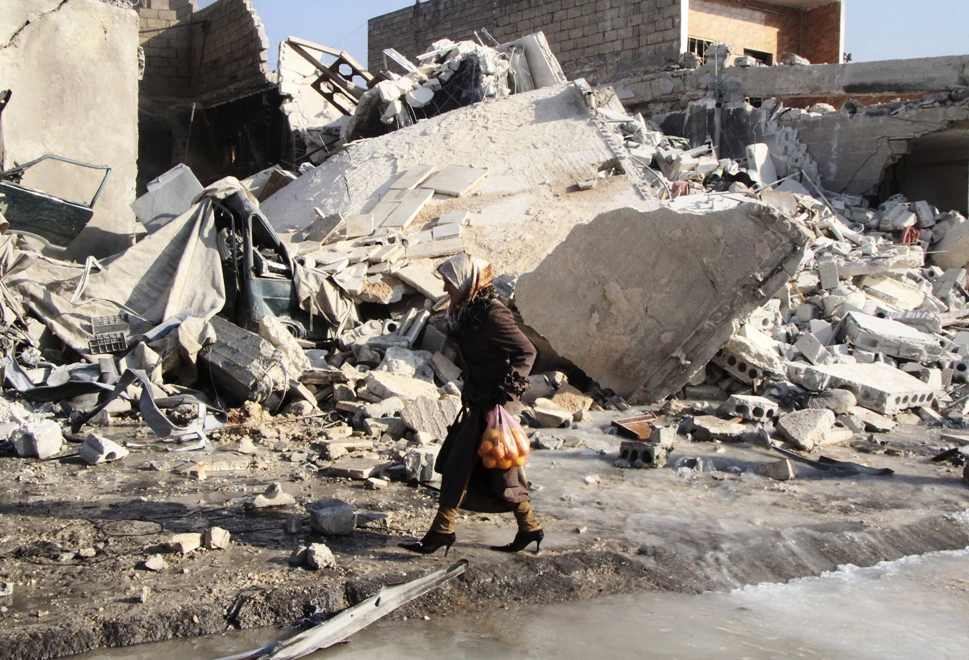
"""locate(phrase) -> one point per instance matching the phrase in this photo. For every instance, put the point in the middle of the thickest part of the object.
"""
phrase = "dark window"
(698, 46)
(762, 57)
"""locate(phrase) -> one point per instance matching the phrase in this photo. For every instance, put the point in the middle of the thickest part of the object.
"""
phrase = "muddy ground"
(73, 538)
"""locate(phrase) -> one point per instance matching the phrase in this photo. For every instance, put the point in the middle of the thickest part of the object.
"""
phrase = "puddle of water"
(911, 608)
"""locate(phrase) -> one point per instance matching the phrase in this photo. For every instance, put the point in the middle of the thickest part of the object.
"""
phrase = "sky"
(876, 29)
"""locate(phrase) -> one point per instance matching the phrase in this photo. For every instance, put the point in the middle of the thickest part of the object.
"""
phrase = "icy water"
(916, 607)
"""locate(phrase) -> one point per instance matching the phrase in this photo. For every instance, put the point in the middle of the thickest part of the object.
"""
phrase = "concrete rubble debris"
(806, 429)
(185, 543)
(319, 556)
(779, 470)
(216, 538)
(273, 496)
(97, 449)
(332, 517)
(42, 439)
(156, 563)
(419, 463)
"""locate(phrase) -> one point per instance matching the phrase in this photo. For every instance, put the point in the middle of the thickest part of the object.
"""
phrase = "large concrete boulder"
(642, 300)
(805, 429)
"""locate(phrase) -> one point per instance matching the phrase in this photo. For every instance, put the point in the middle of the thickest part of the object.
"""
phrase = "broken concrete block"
(805, 429)
(359, 225)
(420, 463)
(435, 249)
(156, 563)
(837, 400)
(759, 163)
(360, 469)
(681, 256)
(572, 400)
(411, 203)
(332, 516)
(707, 428)
(373, 483)
(890, 337)
(878, 386)
(445, 369)
(813, 350)
(246, 365)
(273, 496)
(431, 415)
(455, 180)
(779, 471)
(828, 272)
(386, 408)
(319, 556)
(550, 415)
(386, 385)
(423, 279)
(185, 543)
(641, 455)
(897, 219)
(901, 295)
(380, 426)
(42, 439)
(405, 362)
(872, 421)
(217, 538)
(751, 408)
(97, 449)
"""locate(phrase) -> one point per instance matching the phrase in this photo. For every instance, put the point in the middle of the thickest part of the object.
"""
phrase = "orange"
(489, 462)
(492, 436)
(520, 461)
(504, 464)
(485, 448)
(498, 451)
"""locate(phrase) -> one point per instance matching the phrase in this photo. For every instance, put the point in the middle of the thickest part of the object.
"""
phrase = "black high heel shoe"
(522, 539)
(431, 543)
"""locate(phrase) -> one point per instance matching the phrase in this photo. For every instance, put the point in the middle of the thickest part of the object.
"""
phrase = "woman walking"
(495, 358)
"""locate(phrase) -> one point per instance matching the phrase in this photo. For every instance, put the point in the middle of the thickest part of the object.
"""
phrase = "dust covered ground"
(73, 538)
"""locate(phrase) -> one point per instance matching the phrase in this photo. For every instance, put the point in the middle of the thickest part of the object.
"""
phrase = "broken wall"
(72, 66)
(233, 54)
(169, 70)
(599, 40)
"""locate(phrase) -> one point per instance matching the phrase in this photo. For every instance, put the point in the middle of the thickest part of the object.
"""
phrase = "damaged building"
(738, 257)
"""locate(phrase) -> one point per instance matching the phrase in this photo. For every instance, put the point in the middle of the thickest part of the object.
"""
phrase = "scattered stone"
(6, 589)
(374, 483)
(42, 439)
(217, 538)
(298, 557)
(549, 442)
(144, 594)
(87, 553)
(332, 516)
(805, 429)
(637, 454)
(185, 543)
(97, 449)
(156, 563)
(420, 463)
(779, 470)
(581, 529)
(319, 556)
(273, 496)
(838, 400)
(431, 415)
(550, 415)
(707, 428)
(593, 479)
(360, 469)
(294, 525)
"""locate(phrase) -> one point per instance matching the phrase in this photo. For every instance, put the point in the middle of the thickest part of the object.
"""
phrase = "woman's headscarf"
(468, 276)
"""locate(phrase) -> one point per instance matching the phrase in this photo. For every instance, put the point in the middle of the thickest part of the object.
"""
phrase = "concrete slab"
(413, 177)
(435, 249)
(892, 338)
(411, 203)
(422, 279)
(455, 180)
(611, 298)
(879, 387)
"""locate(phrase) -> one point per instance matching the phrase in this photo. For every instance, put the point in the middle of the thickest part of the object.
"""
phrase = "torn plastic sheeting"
(830, 465)
(152, 414)
(318, 295)
(20, 381)
(174, 270)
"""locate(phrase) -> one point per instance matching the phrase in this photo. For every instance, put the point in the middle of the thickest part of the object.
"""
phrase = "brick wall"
(233, 55)
(600, 40)
(822, 35)
(814, 34)
(168, 70)
(186, 59)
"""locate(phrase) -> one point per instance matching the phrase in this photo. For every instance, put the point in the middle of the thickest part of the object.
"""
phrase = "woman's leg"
(444, 521)
(526, 517)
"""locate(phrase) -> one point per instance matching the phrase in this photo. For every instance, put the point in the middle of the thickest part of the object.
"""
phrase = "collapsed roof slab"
(536, 146)
(642, 300)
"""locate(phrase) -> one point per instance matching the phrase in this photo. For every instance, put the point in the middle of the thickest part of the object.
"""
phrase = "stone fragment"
(273, 496)
(42, 439)
(455, 180)
(760, 163)
(445, 369)
(298, 556)
(805, 429)
(420, 463)
(380, 426)
(332, 516)
(431, 415)
(423, 279)
(551, 416)
(272, 330)
(413, 177)
(812, 349)
(837, 400)
(828, 271)
(641, 455)
(217, 538)
(185, 543)
(245, 364)
(374, 483)
(405, 362)
(872, 421)
(97, 449)
(572, 400)
(319, 556)
(156, 563)
(779, 470)
(891, 337)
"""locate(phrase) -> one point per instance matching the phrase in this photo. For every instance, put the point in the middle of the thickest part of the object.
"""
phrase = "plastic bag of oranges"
(504, 444)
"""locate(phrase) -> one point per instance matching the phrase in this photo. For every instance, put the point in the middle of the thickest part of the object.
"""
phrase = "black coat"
(486, 357)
